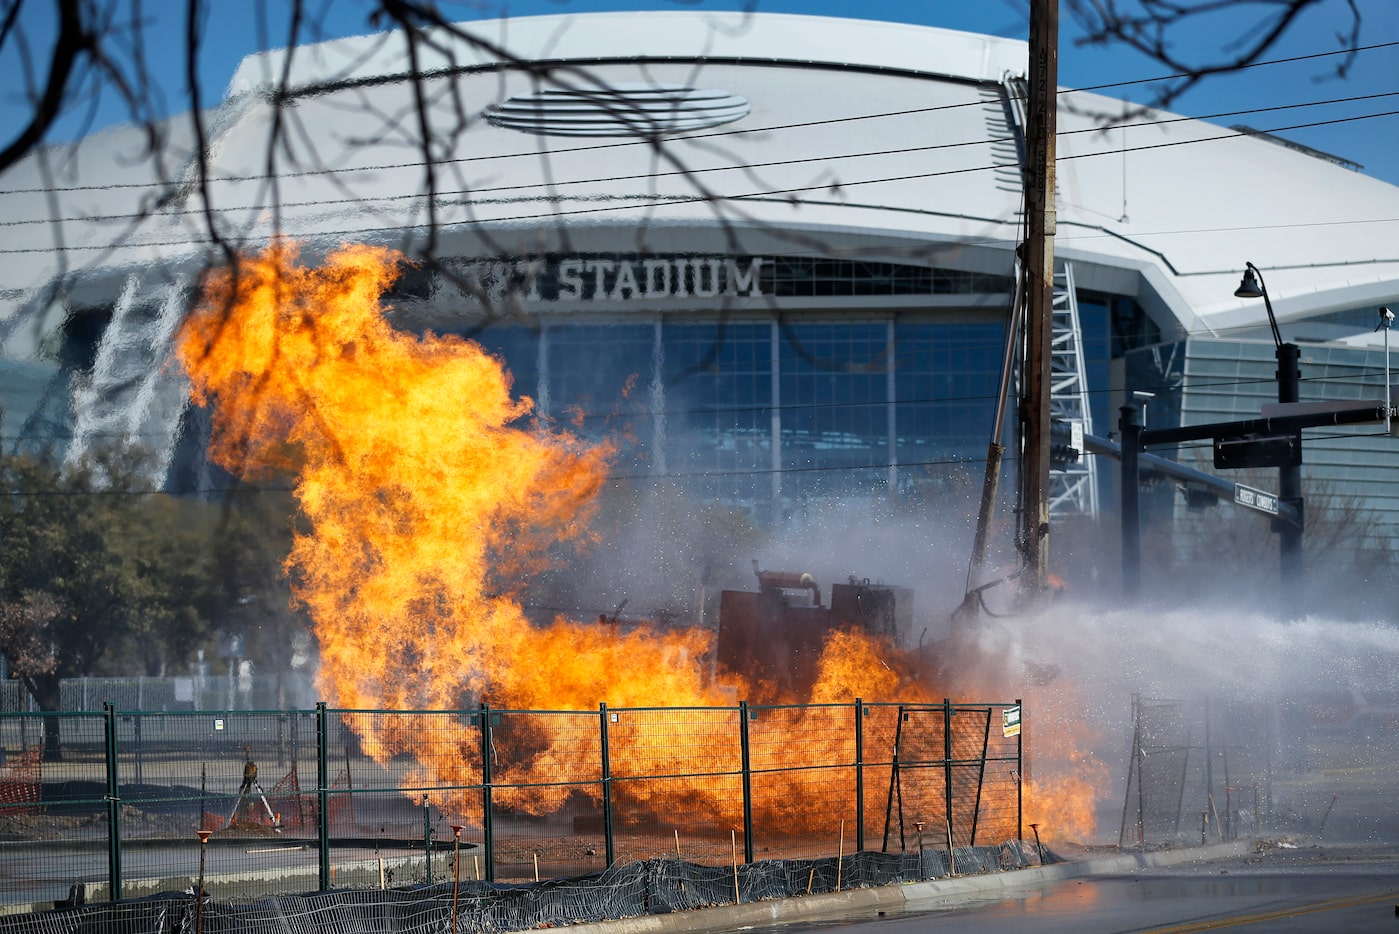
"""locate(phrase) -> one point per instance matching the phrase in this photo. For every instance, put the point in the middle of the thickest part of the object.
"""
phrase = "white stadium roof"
(599, 37)
(811, 131)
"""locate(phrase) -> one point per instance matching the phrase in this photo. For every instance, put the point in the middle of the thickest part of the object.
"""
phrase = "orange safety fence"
(22, 782)
(298, 810)
(294, 808)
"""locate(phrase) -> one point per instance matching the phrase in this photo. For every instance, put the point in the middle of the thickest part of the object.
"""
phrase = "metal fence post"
(427, 842)
(1130, 508)
(109, 714)
(323, 794)
(981, 778)
(609, 845)
(746, 764)
(487, 829)
(1020, 775)
(859, 775)
(947, 763)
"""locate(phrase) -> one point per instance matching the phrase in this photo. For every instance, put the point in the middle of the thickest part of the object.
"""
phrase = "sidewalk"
(893, 898)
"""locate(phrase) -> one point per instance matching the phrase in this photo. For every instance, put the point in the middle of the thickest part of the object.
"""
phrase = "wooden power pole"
(1039, 259)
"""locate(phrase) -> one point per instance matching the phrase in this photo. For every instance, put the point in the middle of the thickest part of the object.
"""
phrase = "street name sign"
(1261, 500)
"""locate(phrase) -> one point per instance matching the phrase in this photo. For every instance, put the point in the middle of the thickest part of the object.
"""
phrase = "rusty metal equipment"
(775, 636)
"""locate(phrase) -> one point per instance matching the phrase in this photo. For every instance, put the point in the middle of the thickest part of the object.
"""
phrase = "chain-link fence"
(129, 804)
(1201, 770)
(229, 690)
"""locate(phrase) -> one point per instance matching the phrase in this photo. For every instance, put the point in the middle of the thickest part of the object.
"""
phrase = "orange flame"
(427, 496)
(1062, 794)
(427, 492)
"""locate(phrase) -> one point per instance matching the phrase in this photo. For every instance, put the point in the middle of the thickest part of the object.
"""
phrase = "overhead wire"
(554, 185)
(653, 203)
(968, 461)
(787, 407)
(704, 136)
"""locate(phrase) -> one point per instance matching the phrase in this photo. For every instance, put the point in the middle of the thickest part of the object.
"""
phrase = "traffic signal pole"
(1288, 521)
(1131, 501)
(1289, 377)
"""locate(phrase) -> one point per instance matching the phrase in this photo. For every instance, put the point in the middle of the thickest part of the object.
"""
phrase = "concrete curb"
(897, 897)
(939, 889)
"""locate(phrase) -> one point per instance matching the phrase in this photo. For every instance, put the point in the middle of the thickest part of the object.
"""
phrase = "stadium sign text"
(617, 279)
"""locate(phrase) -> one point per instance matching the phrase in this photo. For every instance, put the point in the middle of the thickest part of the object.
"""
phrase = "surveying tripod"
(250, 787)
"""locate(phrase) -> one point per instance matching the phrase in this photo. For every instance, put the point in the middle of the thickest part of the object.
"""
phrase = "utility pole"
(1040, 134)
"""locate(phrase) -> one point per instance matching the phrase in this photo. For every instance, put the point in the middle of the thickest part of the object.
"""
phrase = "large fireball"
(428, 494)
(426, 490)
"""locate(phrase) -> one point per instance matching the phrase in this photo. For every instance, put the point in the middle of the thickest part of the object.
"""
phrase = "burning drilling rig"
(775, 638)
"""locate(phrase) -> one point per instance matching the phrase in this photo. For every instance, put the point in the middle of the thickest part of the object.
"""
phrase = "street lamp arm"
(1358, 413)
(1253, 286)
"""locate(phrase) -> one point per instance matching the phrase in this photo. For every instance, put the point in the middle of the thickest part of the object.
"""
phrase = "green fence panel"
(296, 801)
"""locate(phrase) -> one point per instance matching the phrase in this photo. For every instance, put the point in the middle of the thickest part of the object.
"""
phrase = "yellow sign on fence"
(1010, 721)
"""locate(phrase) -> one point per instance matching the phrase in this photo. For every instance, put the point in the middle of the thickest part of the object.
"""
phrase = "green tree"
(168, 547)
(246, 590)
(95, 567)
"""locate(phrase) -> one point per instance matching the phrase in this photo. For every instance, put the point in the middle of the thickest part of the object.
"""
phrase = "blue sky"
(1373, 142)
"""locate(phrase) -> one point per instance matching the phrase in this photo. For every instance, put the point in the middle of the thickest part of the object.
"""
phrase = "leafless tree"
(1246, 31)
(1231, 553)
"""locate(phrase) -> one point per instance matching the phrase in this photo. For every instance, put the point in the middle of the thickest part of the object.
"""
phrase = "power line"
(1275, 61)
(971, 460)
(682, 173)
(649, 143)
(1186, 383)
(657, 202)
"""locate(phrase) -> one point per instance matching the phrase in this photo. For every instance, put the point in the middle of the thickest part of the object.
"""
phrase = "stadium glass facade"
(751, 410)
(846, 379)
(836, 379)
(774, 407)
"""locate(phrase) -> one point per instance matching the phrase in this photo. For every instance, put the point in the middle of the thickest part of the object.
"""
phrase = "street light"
(1289, 377)
(1252, 287)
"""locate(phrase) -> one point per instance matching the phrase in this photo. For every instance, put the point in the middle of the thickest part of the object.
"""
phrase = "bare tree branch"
(73, 41)
(1153, 28)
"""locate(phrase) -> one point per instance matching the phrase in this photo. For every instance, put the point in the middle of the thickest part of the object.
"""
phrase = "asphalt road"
(1312, 888)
